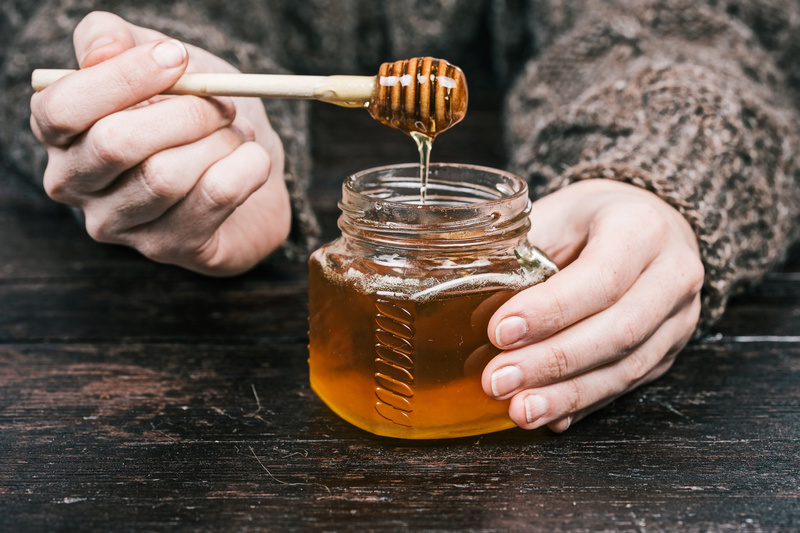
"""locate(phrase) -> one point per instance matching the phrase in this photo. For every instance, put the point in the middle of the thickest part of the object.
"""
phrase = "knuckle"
(55, 183)
(228, 185)
(105, 143)
(196, 252)
(211, 255)
(50, 112)
(156, 249)
(552, 315)
(631, 330)
(158, 178)
(559, 365)
(221, 193)
(100, 227)
(694, 273)
(637, 366)
(262, 164)
(577, 396)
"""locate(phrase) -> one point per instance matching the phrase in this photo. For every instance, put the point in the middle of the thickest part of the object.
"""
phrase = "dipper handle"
(348, 91)
(424, 95)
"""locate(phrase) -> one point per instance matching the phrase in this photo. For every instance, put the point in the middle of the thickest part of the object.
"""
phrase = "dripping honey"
(421, 97)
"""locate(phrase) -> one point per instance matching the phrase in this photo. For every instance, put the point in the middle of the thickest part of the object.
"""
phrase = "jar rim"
(466, 206)
(513, 187)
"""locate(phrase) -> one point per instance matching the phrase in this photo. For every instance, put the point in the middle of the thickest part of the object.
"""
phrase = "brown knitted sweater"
(696, 101)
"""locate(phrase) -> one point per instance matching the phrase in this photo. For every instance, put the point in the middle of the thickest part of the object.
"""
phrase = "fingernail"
(99, 43)
(170, 53)
(535, 407)
(225, 105)
(102, 41)
(244, 128)
(506, 380)
(510, 330)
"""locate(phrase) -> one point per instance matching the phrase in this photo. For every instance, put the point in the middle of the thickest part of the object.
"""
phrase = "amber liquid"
(403, 367)
(425, 146)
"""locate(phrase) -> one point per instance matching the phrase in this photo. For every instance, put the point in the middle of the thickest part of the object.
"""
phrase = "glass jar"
(399, 304)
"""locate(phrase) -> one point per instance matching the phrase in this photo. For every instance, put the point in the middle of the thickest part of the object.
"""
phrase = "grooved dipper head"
(422, 94)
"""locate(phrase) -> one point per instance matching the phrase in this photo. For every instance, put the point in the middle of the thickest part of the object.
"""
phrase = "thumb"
(559, 225)
(101, 36)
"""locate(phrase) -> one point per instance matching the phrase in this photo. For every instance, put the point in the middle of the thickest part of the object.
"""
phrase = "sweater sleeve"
(681, 100)
(44, 40)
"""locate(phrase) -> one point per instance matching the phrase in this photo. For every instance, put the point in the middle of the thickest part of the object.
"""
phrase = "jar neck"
(466, 207)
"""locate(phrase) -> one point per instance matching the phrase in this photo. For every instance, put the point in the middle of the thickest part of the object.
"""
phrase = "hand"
(626, 301)
(196, 182)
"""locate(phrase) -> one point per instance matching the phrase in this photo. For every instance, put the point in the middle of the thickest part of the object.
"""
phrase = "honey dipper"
(424, 95)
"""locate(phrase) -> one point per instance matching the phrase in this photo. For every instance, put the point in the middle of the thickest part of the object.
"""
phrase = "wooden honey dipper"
(423, 95)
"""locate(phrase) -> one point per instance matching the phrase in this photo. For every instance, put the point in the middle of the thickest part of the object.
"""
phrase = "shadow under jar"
(399, 304)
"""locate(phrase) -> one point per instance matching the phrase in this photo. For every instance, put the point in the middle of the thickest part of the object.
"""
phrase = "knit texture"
(677, 98)
(694, 101)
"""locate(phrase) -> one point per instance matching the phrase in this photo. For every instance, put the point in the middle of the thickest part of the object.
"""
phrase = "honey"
(424, 146)
(421, 97)
(422, 94)
(399, 304)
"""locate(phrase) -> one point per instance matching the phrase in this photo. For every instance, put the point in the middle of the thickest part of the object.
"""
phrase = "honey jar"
(399, 304)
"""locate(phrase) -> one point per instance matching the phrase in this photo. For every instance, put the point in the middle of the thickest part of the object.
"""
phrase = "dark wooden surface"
(136, 396)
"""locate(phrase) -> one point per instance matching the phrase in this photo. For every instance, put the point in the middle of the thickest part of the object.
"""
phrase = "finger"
(560, 425)
(99, 36)
(568, 400)
(190, 233)
(123, 140)
(253, 231)
(72, 104)
(619, 247)
(598, 340)
(145, 192)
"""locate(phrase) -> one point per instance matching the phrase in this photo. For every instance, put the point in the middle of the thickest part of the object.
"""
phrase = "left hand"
(195, 182)
(626, 301)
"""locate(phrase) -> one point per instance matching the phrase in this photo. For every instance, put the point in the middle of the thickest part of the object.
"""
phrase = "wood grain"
(135, 396)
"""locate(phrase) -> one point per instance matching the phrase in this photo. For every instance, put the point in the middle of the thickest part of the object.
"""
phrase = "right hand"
(625, 302)
(196, 182)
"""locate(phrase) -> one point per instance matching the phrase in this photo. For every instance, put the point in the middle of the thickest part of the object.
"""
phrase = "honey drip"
(421, 97)
(425, 146)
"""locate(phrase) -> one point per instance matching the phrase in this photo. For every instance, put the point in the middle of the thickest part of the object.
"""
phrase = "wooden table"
(137, 396)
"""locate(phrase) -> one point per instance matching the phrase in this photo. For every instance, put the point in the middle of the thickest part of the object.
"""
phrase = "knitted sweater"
(696, 101)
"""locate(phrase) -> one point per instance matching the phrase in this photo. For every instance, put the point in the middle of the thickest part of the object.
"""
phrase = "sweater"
(696, 101)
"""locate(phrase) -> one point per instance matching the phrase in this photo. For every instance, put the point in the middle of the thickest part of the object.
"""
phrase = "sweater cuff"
(716, 259)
